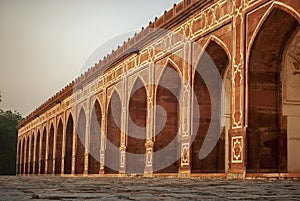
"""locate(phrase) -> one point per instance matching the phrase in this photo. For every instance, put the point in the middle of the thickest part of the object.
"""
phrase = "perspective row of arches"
(77, 146)
(92, 143)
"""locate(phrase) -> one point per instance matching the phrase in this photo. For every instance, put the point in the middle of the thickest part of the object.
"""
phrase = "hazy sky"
(44, 43)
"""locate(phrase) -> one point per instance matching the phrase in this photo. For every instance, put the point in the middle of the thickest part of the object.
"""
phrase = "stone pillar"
(63, 146)
(124, 129)
(47, 147)
(54, 148)
(237, 133)
(74, 147)
(33, 158)
(149, 145)
(103, 132)
(184, 131)
(87, 141)
(30, 152)
(40, 152)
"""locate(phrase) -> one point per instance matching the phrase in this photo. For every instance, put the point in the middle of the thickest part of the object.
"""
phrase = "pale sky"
(44, 43)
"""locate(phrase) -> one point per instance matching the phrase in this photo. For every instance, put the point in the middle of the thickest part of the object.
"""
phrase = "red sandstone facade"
(255, 45)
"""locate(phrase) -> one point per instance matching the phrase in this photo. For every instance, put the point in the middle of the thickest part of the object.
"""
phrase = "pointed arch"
(69, 145)
(19, 156)
(23, 156)
(113, 134)
(37, 152)
(214, 55)
(170, 69)
(95, 139)
(221, 60)
(58, 148)
(141, 81)
(115, 94)
(43, 151)
(80, 142)
(168, 93)
(31, 167)
(275, 6)
(136, 133)
(267, 132)
(50, 149)
(27, 154)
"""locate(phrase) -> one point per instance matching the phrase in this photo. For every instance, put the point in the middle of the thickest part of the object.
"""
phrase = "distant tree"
(8, 141)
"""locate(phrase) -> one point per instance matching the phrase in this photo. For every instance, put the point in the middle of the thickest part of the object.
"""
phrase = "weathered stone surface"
(93, 188)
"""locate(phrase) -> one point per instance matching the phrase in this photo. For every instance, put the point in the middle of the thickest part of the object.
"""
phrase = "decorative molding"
(237, 149)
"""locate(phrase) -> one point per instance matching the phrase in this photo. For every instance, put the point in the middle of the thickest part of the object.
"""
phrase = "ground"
(76, 188)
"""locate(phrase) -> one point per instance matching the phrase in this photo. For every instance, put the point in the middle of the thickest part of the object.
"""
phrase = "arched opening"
(291, 105)
(94, 139)
(23, 157)
(80, 143)
(50, 150)
(43, 152)
(112, 153)
(69, 146)
(37, 154)
(136, 138)
(19, 157)
(27, 155)
(31, 154)
(214, 162)
(165, 158)
(266, 133)
(58, 149)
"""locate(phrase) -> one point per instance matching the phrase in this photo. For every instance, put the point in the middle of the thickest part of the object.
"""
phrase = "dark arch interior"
(23, 156)
(267, 135)
(58, 149)
(95, 139)
(215, 161)
(112, 153)
(31, 154)
(19, 157)
(135, 160)
(50, 150)
(27, 155)
(37, 153)
(69, 146)
(43, 152)
(80, 143)
(166, 139)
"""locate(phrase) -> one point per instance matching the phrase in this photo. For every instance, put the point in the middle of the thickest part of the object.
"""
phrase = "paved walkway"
(58, 188)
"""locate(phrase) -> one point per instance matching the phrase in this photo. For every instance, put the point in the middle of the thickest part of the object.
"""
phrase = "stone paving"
(98, 188)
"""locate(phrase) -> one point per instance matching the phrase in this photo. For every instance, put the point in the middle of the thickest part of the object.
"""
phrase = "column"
(87, 140)
(74, 146)
(124, 129)
(184, 133)
(150, 123)
(54, 147)
(103, 132)
(63, 145)
(237, 133)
